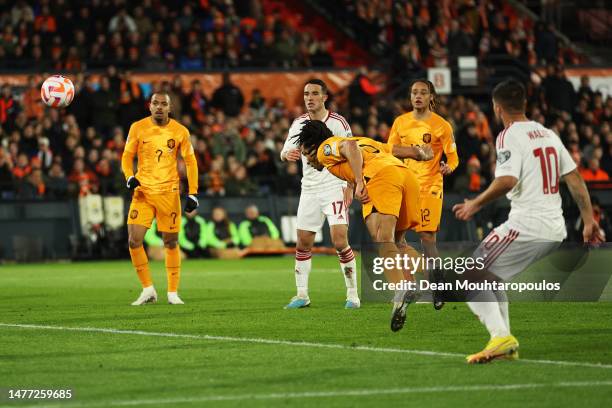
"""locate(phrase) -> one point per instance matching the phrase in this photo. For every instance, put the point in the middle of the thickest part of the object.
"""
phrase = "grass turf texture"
(245, 299)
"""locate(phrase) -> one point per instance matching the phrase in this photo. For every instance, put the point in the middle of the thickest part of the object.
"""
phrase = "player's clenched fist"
(132, 183)
(191, 203)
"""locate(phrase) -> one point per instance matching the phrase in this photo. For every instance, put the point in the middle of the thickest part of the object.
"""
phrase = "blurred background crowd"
(46, 153)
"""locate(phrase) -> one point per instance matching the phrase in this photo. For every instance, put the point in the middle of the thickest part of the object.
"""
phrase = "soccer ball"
(57, 91)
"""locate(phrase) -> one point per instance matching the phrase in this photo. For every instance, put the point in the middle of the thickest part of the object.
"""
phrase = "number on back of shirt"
(549, 164)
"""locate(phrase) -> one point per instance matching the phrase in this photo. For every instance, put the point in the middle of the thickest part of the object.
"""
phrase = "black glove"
(191, 203)
(132, 183)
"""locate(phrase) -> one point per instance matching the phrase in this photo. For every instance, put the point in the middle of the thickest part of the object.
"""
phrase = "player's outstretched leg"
(401, 301)
(502, 344)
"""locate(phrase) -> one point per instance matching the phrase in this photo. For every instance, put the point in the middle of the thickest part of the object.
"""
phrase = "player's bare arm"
(591, 232)
(350, 151)
(498, 188)
(418, 153)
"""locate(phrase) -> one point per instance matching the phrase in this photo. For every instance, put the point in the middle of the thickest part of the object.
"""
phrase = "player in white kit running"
(531, 160)
(323, 197)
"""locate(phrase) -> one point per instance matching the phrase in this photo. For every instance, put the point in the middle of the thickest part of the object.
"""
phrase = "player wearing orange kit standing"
(423, 127)
(156, 141)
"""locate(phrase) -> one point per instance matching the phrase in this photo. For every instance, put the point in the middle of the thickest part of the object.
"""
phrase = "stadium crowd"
(53, 154)
(186, 35)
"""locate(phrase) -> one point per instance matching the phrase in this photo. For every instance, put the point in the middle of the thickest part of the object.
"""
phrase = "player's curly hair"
(313, 133)
(432, 90)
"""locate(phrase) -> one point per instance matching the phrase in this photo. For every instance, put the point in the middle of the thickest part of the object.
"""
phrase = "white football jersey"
(536, 156)
(312, 179)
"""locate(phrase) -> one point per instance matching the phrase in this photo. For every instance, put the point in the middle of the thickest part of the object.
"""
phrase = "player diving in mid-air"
(385, 186)
(156, 141)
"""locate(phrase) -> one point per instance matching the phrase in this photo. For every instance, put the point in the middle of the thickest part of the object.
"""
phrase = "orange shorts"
(166, 208)
(394, 191)
(430, 203)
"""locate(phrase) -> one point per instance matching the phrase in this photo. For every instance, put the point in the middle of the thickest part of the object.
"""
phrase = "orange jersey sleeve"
(437, 133)
(157, 148)
(375, 155)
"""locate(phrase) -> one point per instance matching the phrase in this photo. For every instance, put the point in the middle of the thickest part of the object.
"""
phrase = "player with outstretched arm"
(531, 161)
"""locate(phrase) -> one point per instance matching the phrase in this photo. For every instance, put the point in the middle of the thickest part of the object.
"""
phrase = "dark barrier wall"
(32, 231)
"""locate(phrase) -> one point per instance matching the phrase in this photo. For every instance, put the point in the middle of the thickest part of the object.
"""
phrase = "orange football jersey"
(376, 156)
(157, 150)
(437, 133)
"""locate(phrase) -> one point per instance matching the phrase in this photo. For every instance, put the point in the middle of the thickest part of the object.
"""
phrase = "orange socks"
(173, 267)
(141, 264)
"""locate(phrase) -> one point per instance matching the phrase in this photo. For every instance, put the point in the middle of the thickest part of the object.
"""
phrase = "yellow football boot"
(502, 348)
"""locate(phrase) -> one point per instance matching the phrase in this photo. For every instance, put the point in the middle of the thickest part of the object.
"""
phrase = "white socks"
(303, 265)
(488, 309)
(349, 270)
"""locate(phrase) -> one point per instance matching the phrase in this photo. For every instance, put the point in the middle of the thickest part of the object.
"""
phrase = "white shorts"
(315, 207)
(508, 251)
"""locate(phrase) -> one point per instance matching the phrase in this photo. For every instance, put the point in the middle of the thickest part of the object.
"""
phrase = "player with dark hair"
(385, 186)
(531, 160)
(156, 141)
(423, 127)
(323, 197)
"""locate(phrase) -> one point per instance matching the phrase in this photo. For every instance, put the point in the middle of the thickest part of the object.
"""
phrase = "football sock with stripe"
(303, 265)
(349, 270)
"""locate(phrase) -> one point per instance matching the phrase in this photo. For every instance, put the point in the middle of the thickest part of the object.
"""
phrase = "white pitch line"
(288, 343)
(326, 394)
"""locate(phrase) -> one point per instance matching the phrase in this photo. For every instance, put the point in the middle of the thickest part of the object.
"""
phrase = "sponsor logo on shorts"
(427, 137)
(327, 150)
(134, 214)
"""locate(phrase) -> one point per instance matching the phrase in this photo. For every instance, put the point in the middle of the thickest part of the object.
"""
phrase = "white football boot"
(148, 295)
(174, 299)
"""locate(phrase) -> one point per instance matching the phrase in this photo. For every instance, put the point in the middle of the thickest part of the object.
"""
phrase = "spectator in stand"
(228, 97)
(239, 184)
(594, 172)
(255, 227)
(6, 176)
(192, 235)
(104, 108)
(8, 107)
(56, 182)
(221, 233)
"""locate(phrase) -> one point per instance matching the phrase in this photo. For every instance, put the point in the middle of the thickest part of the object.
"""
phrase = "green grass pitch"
(256, 357)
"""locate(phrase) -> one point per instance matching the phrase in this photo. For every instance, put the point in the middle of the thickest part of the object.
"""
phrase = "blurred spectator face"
(79, 152)
(584, 81)
(218, 214)
(241, 173)
(598, 153)
(314, 98)
(36, 177)
(105, 83)
(252, 212)
(93, 156)
(594, 164)
(56, 170)
(420, 96)
(6, 91)
(22, 160)
(79, 166)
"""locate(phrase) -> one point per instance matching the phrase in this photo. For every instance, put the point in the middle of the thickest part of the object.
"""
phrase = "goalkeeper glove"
(191, 203)
(132, 183)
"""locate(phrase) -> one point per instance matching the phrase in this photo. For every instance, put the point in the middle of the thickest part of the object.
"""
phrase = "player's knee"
(428, 237)
(170, 243)
(134, 242)
(340, 240)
